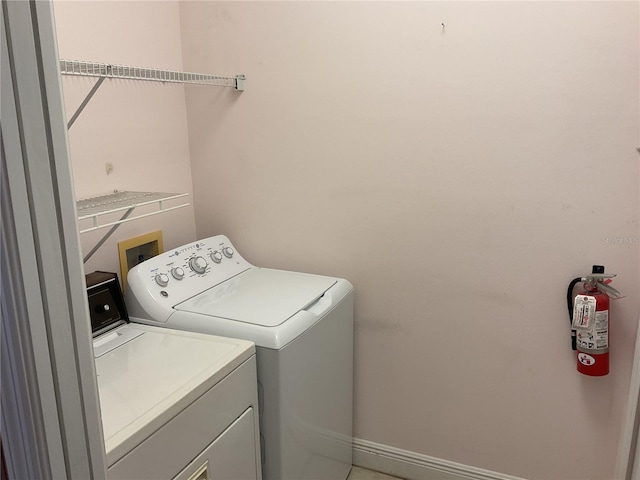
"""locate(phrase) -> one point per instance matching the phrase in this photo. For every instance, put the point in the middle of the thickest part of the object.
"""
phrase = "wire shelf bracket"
(106, 70)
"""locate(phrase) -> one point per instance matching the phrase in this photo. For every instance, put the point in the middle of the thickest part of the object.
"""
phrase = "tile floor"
(358, 473)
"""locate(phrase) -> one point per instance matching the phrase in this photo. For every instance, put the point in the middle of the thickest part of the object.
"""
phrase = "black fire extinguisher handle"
(573, 283)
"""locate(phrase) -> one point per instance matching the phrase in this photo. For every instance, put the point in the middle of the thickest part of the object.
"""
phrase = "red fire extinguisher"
(589, 315)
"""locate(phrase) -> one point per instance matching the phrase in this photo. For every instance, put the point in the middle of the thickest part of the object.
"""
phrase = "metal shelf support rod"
(85, 102)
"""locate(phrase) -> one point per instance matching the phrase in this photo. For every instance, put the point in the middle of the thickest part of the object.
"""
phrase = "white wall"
(460, 178)
(138, 127)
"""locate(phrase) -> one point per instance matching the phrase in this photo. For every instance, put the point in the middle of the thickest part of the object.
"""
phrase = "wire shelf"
(96, 69)
(96, 207)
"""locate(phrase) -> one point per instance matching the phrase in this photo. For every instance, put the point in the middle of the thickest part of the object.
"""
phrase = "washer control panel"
(179, 274)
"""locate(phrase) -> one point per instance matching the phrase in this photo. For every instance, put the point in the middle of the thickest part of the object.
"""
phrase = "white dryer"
(174, 405)
(302, 326)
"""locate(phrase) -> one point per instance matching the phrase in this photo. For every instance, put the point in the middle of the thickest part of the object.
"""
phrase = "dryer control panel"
(159, 283)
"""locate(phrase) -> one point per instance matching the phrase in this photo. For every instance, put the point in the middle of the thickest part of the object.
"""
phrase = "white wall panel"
(460, 177)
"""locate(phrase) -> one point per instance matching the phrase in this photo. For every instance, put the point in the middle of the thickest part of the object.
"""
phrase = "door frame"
(628, 464)
(49, 412)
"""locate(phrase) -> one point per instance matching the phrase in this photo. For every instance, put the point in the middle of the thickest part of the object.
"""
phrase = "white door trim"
(49, 410)
(628, 450)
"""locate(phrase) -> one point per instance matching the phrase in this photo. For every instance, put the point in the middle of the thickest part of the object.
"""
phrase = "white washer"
(302, 326)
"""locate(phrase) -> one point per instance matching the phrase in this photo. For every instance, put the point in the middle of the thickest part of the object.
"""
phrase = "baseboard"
(415, 466)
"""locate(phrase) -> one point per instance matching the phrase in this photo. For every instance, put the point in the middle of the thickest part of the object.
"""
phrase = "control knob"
(102, 308)
(162, 279)
(216, 256)
(198, 264)
(177, 273)
(228, 252)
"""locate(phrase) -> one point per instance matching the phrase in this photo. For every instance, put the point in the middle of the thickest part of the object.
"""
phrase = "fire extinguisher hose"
(573, 283)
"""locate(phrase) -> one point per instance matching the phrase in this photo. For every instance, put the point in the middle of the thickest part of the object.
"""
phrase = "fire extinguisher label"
(586, 359)
(592, 327)
(602, 329)
(584, 311)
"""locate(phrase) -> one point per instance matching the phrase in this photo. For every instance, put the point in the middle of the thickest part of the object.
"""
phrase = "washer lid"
(260, 296)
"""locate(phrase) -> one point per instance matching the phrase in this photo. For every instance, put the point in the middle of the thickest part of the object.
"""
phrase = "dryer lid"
(260, 296)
